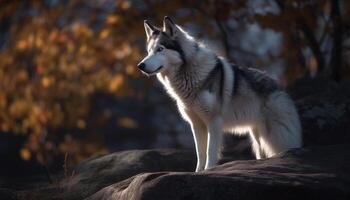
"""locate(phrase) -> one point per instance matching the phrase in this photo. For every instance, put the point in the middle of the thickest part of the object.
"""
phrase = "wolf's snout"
(141, 66)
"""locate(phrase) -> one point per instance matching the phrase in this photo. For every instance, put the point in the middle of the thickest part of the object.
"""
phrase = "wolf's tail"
(282, 124)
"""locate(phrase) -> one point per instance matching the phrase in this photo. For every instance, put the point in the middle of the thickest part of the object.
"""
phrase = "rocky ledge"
(310, 173)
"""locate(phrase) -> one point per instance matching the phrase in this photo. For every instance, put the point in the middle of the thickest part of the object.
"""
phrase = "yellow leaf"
(112, 19)
(130, 70)
(116, 82)
(46, 82)
(104, 33)
(22, 75)
(312, 64)
(127, 122)
(81, 124)
(82, 48)
(70, 47)
(125, 5)
(19, 108)
(5, 127)
(22, 44)
(39, 42)
(25, 154)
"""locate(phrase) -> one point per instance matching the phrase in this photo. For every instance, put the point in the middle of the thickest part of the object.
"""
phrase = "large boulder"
(312, 173)
(324, 108)
(100, 171)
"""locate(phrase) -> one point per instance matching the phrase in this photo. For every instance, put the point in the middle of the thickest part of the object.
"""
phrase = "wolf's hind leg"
(255, 135)
(256, 149)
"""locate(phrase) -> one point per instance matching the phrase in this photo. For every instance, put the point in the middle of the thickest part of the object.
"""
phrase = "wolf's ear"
(170, 27)
(149, 28)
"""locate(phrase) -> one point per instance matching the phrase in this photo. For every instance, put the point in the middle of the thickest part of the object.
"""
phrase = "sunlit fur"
(270, 118)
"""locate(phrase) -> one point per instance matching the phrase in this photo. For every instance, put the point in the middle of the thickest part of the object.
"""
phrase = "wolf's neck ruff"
(186, 81)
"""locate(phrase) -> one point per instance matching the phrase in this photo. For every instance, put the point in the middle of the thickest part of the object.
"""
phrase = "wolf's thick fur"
(214, 96)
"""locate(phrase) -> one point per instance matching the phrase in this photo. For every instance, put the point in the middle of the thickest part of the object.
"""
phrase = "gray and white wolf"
(214, 96)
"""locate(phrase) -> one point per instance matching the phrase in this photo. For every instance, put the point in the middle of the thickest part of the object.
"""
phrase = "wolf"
(217, 97)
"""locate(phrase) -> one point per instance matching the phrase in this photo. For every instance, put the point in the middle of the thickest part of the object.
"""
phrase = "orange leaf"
(25, 154)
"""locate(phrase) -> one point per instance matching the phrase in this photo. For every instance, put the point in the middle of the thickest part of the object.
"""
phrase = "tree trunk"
(336, 61)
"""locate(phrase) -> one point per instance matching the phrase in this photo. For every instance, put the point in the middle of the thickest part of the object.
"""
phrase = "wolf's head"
(163, 47)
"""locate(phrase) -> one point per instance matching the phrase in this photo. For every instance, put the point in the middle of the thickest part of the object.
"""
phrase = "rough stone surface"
(324, 109)
(100, 171)
(312, 173)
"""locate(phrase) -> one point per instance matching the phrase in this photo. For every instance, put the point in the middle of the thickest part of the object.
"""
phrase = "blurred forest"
(70, 88)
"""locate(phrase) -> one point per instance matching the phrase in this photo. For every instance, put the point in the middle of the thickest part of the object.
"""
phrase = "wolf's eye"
(160, 49)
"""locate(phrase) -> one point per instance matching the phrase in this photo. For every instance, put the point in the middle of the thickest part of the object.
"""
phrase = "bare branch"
(223, 32)
(310, 38)
(224, 37)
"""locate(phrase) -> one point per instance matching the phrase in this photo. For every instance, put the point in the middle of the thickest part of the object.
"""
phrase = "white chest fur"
(202, 104)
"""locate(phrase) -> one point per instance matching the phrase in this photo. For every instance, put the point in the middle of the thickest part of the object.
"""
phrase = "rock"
(312, 173)
(100, 171)
(7, 194)
(324, 108)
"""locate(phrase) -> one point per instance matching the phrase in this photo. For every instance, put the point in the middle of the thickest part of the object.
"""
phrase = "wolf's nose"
(141, 66)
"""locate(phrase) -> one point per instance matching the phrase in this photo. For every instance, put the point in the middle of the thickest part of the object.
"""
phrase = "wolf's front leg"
(199, 132)
(200, 135)
(214, 142)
